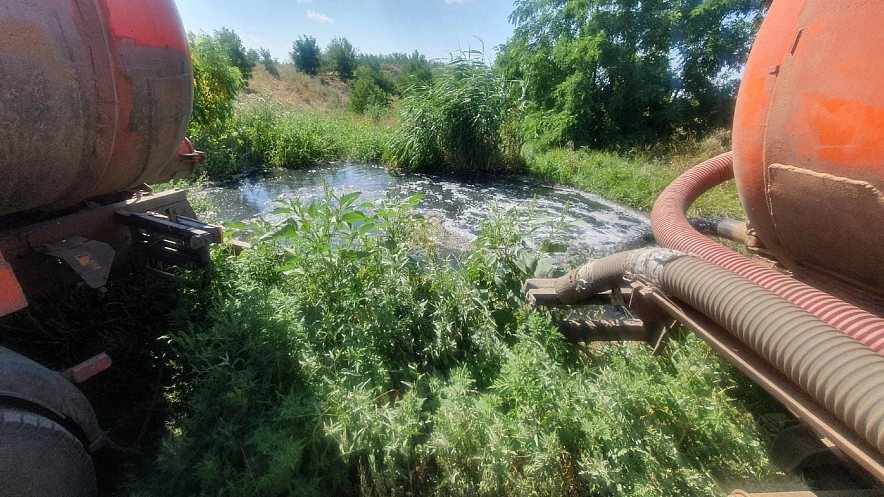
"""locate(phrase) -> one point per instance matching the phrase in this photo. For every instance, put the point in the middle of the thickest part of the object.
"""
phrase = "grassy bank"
(459, 125)
(637, 177)
(266, 134)
(341, 357)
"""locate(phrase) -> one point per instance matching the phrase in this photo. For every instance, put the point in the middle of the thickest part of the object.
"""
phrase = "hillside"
(323, 93)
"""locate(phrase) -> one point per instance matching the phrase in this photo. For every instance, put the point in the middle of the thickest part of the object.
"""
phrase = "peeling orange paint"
(153, 23)
(11, 296)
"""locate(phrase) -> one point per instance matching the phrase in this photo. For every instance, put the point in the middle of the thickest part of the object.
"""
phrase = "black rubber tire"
(40, 458)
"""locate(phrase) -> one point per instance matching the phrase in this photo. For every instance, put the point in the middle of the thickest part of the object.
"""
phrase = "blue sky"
(434, 27)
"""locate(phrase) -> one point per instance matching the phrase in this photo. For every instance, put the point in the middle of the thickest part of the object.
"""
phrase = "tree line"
(374, 79)
(604, 73)
(223, 67)
(581, 73)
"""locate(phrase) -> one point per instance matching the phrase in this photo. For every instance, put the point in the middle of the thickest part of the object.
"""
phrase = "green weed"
(341, 356)
(459, 123)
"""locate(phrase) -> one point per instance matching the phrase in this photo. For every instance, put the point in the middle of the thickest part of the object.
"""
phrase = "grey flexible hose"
(844, 376)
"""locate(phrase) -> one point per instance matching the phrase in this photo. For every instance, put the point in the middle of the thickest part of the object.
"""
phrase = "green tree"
(380, 78)
(305, 55)
(372, 88)
(415, 72)
(235, 52)
(253, 56)
(217, 81)
(341, 58)
(367, 94)
(269, 62)
(609, 72)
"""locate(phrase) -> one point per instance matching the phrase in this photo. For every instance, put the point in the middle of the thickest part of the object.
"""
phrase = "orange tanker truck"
(95, 100)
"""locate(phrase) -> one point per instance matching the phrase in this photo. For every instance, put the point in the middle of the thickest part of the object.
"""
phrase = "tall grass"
(342, 357)
(463, 122)
(262, 134)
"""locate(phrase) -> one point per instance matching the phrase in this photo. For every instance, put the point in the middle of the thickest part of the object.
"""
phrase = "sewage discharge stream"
(457, 205)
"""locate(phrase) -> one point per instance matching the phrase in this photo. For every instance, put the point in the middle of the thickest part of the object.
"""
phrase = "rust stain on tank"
(42, 133)
(86, 112)
(828, 224)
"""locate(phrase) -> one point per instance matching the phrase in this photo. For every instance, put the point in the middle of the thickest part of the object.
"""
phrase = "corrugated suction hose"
(843, 375)
(672, 229)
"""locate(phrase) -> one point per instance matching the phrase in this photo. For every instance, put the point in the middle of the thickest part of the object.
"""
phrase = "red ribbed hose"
(672, 230)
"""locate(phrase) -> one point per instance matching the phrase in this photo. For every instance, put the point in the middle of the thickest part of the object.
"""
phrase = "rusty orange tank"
(97, 97)
(809, 141)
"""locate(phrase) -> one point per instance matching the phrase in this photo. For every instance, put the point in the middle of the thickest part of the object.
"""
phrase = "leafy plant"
(264, 135)
(617, 73)
(416, 73)
(236, 52)
(367, 94)
(341, 356)
(269, 62)
(217, 82)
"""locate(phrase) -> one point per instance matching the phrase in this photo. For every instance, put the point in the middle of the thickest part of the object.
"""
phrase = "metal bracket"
(90, 259)
(182, 241)
(652, 327)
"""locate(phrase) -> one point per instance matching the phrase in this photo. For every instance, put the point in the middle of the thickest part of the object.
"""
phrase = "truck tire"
(38, 457)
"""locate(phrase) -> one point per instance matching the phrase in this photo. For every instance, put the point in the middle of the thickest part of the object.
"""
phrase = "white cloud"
(457, 1)
(316, 16)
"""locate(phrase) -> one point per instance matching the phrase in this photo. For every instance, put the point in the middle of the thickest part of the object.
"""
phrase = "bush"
(269, 62)
(340, 356)
(367, 94)
(217, 82)
(415, 73)
(341, 58)
(305, 54)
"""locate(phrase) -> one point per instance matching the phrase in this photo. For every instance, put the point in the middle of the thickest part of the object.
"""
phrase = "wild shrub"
(415, 73)
(372, 89)
(367, 94)
(306, 55)
(269, 62)
(340, 57)
(457, 123)
(217, 82)
(619, 73)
